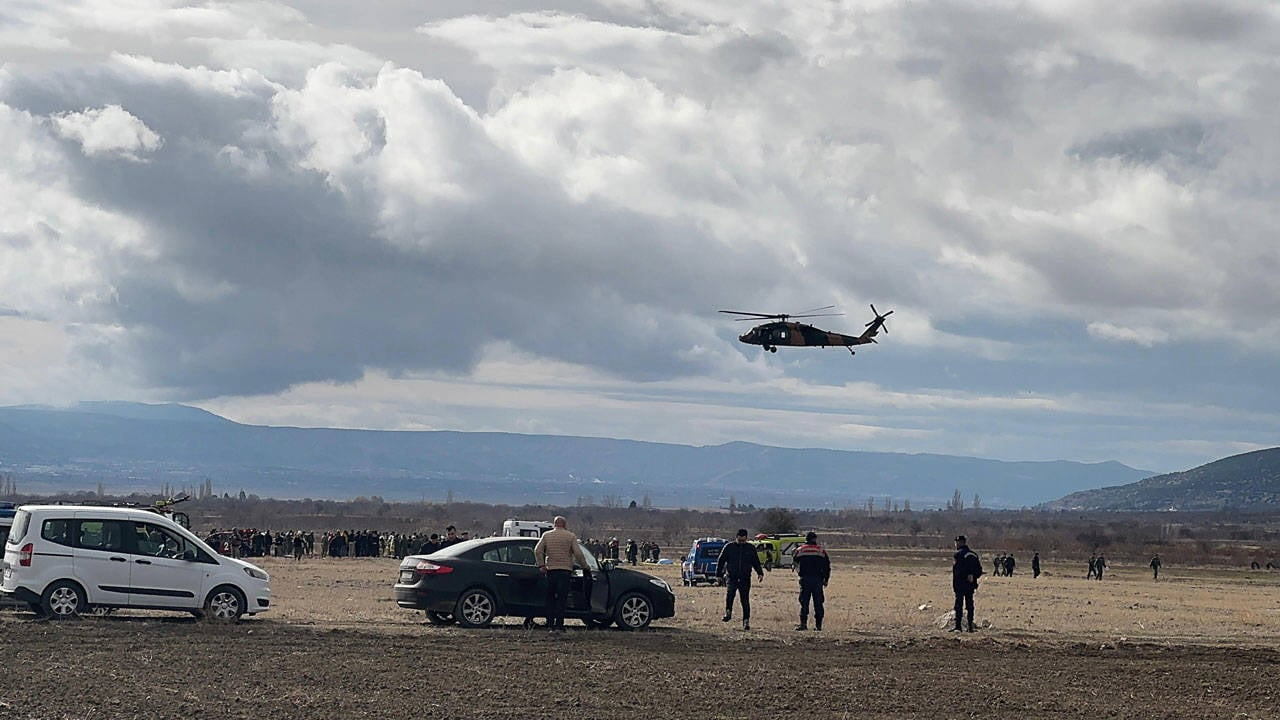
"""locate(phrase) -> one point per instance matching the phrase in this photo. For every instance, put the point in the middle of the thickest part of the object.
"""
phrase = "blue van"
(699, 565)
(7, 511)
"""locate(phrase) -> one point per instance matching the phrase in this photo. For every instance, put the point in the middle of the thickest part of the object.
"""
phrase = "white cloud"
(1145, 337)
(109, 131)
(1049, 195)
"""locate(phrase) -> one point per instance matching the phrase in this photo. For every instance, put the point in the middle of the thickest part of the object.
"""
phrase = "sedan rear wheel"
(476, 608)
(634, 612)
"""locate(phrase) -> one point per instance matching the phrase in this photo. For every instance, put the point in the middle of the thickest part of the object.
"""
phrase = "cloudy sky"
(522, 216)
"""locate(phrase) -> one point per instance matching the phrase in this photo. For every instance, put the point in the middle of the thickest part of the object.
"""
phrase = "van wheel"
(439, 618)
(63, 599)
(224, 604)
(634, 612)
(475, 608)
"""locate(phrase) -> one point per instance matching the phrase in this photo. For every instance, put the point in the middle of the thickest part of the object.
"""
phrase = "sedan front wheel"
(634, 612)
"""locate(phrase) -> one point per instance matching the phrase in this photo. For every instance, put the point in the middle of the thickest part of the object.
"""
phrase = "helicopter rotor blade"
(752, 314)
(815, 315)
(808, 312)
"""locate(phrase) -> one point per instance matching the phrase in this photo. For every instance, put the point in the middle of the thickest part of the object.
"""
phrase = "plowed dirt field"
(1199, 644)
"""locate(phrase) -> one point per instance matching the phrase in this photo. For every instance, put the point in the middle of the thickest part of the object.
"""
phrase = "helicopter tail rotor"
(879, 322)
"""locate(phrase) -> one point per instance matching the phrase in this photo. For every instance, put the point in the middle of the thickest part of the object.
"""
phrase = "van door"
(98, 557)
(168, 571)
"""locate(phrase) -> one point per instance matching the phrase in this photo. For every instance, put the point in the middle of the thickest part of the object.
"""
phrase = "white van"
(525, 528)
(63, 560)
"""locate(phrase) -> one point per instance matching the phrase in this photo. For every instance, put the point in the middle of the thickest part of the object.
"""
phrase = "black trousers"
(557, 596)
(964, 600)
(741, 586)
(811, 589)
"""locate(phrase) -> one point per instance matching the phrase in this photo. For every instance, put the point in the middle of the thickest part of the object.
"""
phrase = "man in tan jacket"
(555, 554)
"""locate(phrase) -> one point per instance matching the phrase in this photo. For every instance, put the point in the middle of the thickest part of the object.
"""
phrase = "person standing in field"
(555, 554)
(1093, 566)
(737, 560)
(1101, 565)
(1155, 567)
(814, 568)
(965, 572)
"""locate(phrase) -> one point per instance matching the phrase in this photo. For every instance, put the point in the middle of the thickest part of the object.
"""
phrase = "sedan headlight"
(660, 583)
(254, 572)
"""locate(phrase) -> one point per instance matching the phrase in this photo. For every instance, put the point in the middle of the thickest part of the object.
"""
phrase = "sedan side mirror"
(189, 555)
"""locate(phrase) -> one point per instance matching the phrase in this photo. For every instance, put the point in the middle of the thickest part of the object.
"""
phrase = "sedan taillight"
(24, 555)
(429, 568)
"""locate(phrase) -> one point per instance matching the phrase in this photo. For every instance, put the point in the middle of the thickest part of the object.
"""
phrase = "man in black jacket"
(814, 568)
(737, 560)
(964, 580)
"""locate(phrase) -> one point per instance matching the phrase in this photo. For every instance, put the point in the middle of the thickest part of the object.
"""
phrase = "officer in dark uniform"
(737, 560)
(1035, 565)
(814, 568)
(964, 580)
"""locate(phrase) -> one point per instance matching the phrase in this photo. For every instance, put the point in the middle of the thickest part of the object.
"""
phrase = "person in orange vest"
(814, 568)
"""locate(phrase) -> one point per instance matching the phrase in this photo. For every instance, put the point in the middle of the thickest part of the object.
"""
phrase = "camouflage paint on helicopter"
(782, 333)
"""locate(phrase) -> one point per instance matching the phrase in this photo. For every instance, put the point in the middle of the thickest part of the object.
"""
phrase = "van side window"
(157, 541)
(58, 531)
(100, 535)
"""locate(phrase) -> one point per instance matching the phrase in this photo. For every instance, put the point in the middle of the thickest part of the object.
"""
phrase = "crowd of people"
(255, 542)
(612, 549)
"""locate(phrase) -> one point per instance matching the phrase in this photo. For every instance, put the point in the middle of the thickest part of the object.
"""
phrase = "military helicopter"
(780, 332)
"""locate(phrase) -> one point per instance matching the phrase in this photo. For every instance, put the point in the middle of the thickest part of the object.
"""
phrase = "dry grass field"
(1200, 643)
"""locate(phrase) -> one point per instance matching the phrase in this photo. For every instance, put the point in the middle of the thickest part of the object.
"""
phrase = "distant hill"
(136, 447)
(1239, 482)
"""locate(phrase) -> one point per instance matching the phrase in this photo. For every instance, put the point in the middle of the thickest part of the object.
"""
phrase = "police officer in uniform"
(964, 580)
(814, 568)
(737, 560)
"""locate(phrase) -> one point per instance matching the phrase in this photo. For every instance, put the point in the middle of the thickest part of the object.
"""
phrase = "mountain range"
(1250, 481)
(132, 447)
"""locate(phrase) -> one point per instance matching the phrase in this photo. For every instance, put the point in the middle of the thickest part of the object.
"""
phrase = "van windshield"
(19, 529)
